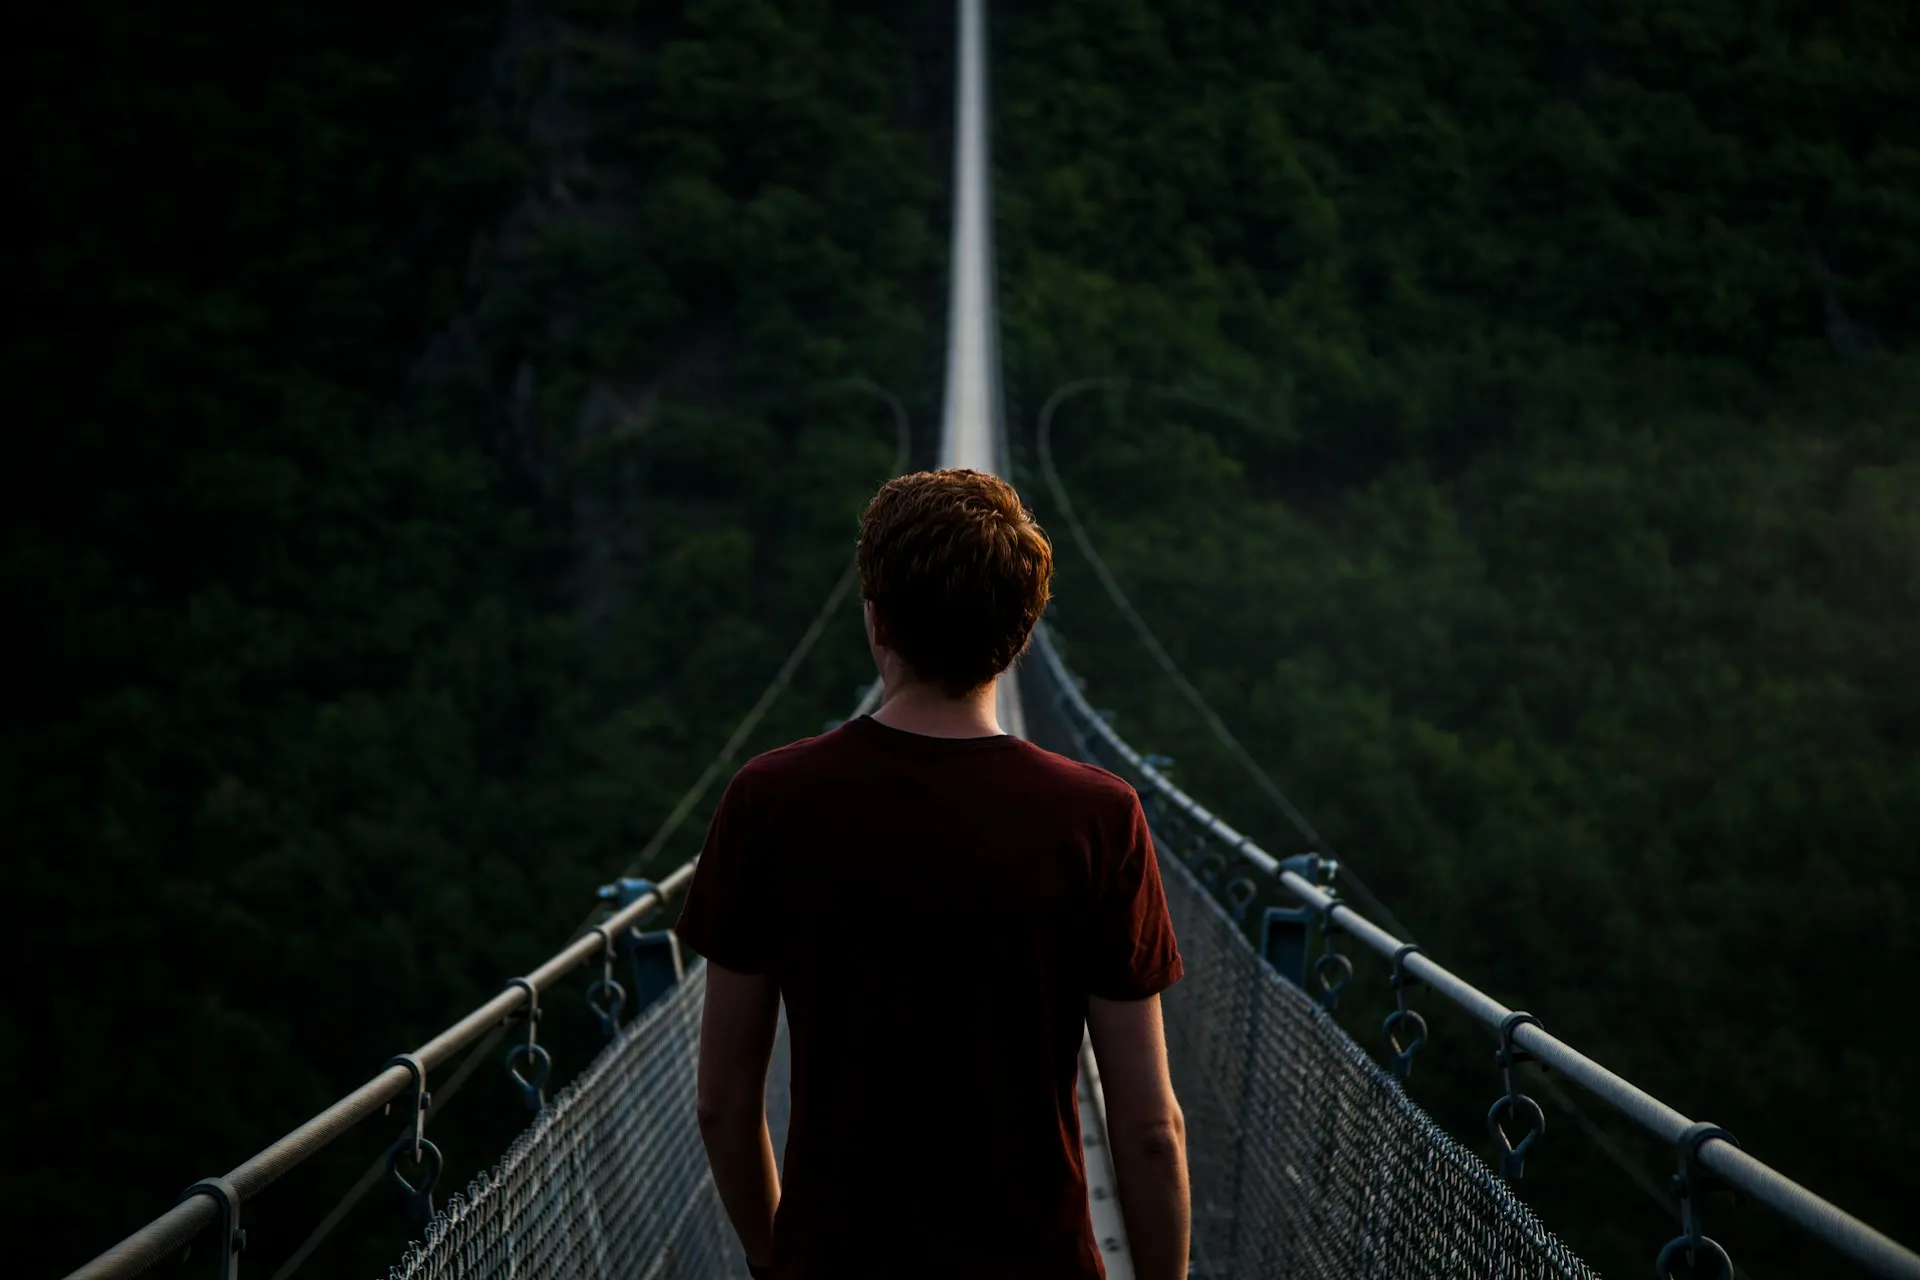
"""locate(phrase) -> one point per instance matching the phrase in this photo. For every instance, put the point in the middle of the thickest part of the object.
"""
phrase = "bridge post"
(1284, 930)
(1283, 941)
(654, 956)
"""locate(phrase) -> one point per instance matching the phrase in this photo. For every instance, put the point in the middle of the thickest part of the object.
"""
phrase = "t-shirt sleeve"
(727, 917)
(1134, 951)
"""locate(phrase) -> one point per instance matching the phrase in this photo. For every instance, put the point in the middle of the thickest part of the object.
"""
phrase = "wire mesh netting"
(1306, 1159)
(611, 1179)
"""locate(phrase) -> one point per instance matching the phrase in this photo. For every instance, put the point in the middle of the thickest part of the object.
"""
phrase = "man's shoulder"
(1077, 776)
(770, 768)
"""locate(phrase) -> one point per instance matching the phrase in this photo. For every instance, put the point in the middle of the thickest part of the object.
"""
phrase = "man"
(943, 907)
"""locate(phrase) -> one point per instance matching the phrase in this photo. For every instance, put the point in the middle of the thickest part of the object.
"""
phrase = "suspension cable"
(784, 676)
(372, 1177)
(1151, 642)
(1581, 1120)
(177, 1227)
(1822, 1218)
(685, 805)
(185, 1220)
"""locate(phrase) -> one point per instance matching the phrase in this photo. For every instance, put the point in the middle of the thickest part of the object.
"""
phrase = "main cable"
(674, 818)
(1151, 642)
(784, 676)
(371, 1178)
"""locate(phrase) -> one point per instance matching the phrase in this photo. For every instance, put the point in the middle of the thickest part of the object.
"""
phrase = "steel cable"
(1823, 1219)
(1151, 642)
(140, 1250)
(685, 805)
(784, 677)
(441, 1097)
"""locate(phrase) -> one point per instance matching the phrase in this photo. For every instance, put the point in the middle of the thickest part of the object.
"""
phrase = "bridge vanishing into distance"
(1307, 1159)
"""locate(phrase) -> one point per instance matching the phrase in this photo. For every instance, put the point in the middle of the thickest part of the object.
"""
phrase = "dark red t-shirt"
(937, 911)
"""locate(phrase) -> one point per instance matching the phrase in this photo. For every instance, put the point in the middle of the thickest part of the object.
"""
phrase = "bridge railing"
(1704, 1148)
(215, 1202)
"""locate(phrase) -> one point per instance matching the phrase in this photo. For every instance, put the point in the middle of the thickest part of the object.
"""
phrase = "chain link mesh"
(611, 1179)
(1306, 1159)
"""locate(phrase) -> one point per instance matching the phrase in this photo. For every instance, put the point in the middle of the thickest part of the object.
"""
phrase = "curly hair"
(958, 573)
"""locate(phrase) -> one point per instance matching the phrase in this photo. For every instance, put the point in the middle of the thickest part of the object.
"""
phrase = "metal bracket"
(654, 957)
(1312, 868)
(1284, 930)
(1283, 941)
(657, 966)
(227, 1227)
(1239, 893)
(421, 1098)
(1690, 1184)
(1513, 1155)
(626, 891)
(418, 1196)
(1403, 1021)
(532, 1085)
(606, 996)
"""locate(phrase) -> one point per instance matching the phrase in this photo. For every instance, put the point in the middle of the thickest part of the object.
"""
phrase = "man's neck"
(926, 710)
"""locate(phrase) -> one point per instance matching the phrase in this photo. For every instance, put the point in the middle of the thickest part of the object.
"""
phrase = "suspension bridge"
(1306, 1157)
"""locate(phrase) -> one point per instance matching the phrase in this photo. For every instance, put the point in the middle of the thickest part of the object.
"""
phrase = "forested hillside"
(430, 438)
(421, 464)
(1563, 561)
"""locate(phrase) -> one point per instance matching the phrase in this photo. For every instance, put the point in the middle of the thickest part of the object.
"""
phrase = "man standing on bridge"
(943, 908)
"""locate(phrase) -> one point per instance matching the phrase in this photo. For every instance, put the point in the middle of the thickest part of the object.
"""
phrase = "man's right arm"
(1146, 1133)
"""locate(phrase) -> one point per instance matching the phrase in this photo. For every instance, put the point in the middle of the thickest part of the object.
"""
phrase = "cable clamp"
(606, 997)
(1513, 1155)
(1319, 872)
(628, 890)
(418, 1196)
(1335, 973)
(1405, 1030)
(1240, 893)
(1691, 1184)
(531, 1083)
(226, 1227)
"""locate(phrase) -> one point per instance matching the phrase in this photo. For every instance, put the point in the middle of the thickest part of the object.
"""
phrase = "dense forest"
(1558, 547)
(436, 447)
(435, 431)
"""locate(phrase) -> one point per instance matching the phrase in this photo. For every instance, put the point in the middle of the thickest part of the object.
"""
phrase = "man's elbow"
(715, 1111)
(1159, 1135)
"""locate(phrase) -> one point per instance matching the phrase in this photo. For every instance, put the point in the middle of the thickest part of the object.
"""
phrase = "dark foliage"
(422, 460)
(1568, 564)
(427, 464)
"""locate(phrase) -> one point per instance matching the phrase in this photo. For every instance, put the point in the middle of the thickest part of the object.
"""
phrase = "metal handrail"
(175, 1229)
(1871, 1248)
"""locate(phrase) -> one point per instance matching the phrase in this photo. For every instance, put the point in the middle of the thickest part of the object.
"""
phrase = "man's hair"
(958, 573)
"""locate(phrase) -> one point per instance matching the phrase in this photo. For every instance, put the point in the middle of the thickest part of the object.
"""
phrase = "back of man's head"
(958, 573)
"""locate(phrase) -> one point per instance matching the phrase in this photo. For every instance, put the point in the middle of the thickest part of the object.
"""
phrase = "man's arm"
(737, 1026)
(1146, 1133)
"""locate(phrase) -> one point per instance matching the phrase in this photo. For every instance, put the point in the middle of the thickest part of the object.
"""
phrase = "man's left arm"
(737, 1026)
